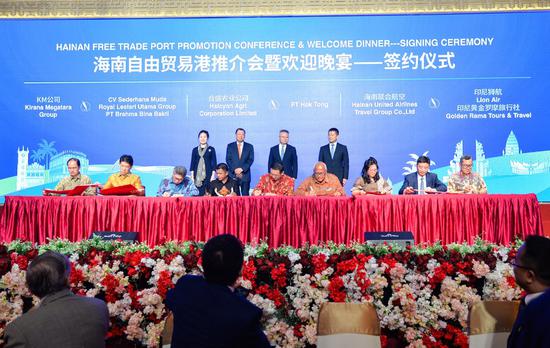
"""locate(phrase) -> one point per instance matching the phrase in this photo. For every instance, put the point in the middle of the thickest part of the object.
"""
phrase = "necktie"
(422, 186)
(240, 149)
(282, 153)
(332, 151)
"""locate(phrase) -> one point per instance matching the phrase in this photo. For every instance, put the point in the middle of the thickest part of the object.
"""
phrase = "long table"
(278, 220)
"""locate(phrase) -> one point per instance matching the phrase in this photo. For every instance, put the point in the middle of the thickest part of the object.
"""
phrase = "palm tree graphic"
(47, 150)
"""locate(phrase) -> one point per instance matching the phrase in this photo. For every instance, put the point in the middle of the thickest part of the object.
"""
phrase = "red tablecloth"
(280, 220)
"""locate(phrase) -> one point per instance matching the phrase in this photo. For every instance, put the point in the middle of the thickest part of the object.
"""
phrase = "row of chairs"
(355, 325)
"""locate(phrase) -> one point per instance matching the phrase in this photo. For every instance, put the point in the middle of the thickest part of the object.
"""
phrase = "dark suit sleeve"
(294, 159)
(439, 186)
(345, 163)
(255, 336)
(194, 162)
(405, 184)
(229, 158)
(249, 159)
(270, 159)
(321, 155)
(237, 189)
(14, 338)
(535, 326)
(106, 317)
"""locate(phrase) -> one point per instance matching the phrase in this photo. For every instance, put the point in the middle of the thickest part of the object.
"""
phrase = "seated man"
(223, 185)
(177, 186)
(321, 183)
(125, 176)
(532, 273)
(74, 179)
(62, 319)
(466, 181)
(208, 312)
(422, 181)
(276, 183)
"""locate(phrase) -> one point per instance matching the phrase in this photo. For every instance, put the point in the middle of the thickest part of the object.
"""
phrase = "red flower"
(110, 282)
(76, 276)
(336, 290)
(346, 266)
(134, 296)
(155, 254)
(249, 272)
(22, 261)
(131, 271)
(388, 260)
(362, 281)
(278, 274)
(134, 259)
(511, 281)
(31, 254)
(274, 295)
(115, 330)
(298, 331)
(319, 263)
(164, 283)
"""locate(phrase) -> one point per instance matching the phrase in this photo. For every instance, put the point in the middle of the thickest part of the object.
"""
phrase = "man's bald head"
(319, 171)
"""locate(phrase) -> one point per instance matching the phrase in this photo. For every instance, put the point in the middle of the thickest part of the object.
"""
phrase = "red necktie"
(240, 149)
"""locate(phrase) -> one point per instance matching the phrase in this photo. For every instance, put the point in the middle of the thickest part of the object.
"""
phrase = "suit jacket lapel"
(414, 182)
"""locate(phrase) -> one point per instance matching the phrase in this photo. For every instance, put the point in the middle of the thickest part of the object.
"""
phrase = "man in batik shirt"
(179, 185)
(276, 183)
(321, 183)
(74, 179)
(465, 181)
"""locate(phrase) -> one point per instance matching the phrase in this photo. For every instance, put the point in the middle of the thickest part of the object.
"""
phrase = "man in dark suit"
(335, 156)
(532, 273)
(422, 181)
(285, 154)
(239, 157)
(62, 319)
(208, 312)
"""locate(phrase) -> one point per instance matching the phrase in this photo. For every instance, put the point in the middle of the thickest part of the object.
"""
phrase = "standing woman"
(203, 163)
(370, 181)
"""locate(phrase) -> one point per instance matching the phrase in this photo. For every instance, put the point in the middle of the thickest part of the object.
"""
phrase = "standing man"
(335, 156)
(422, 181)
(285, 154)
(239, 157)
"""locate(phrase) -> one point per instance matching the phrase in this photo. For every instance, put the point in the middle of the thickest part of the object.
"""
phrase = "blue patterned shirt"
(186, 188)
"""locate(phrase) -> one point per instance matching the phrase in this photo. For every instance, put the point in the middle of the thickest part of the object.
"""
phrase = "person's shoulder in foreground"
(62, 319)
(208, 312)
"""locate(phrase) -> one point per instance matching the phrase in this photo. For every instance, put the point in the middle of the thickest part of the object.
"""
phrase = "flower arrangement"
(422, 293)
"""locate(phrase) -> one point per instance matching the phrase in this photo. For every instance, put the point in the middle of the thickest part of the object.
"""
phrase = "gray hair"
(180, 170)
(320, 164)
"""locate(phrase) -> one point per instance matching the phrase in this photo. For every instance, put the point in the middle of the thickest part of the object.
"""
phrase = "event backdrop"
(397, 86)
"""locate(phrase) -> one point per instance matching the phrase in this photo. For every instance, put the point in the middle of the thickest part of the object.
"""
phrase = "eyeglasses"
(515, 264)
